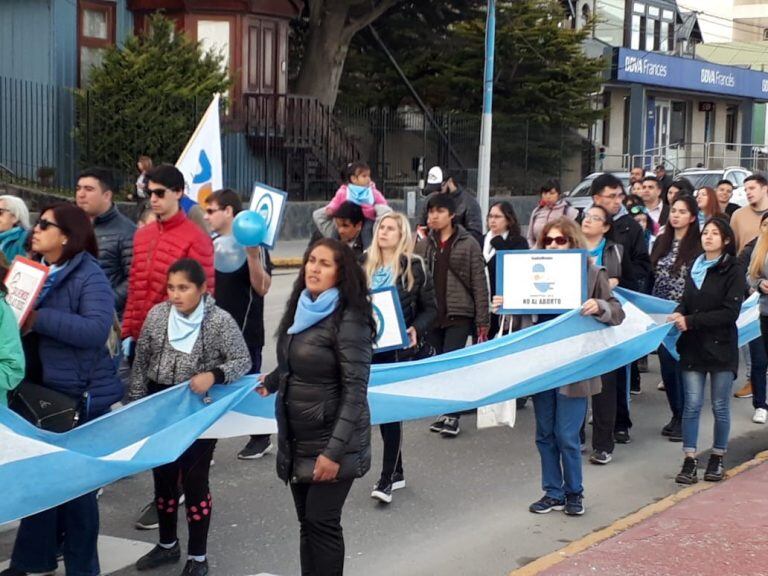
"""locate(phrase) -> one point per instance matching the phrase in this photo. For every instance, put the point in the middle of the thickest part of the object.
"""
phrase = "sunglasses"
(159, 192)
(44, 224)
(559, 240)
(211, 211)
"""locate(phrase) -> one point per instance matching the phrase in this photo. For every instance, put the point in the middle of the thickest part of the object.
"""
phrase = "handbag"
(501, 413)
(44, 407)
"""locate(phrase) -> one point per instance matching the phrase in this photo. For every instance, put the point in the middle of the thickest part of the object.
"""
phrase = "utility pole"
(484, 155)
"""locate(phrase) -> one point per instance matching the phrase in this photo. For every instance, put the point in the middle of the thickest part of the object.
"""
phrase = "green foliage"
(146, 98)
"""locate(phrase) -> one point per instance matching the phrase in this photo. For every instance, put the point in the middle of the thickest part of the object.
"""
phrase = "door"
(663, 110)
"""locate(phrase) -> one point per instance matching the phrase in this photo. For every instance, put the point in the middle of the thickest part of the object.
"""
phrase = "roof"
(688, 28)
(752, 54)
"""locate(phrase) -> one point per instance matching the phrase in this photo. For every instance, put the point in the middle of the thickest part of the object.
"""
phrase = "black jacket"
(711, 343)
(114, 234)
(500, 243)
(322, 403)
(630, 234)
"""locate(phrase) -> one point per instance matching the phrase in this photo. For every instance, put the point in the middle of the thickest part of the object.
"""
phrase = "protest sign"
(270, 204)
(24, 281)
(390, 327)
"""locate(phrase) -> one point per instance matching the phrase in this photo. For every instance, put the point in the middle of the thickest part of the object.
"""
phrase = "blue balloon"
(229, 256)
(249, 228)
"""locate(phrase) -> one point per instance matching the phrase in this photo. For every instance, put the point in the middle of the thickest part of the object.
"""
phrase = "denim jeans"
(757, 372)
(72, 528)
(673, 385)
(694, 383)
(558, 421)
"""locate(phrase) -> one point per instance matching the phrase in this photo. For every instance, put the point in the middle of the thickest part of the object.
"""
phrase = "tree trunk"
(332, 25)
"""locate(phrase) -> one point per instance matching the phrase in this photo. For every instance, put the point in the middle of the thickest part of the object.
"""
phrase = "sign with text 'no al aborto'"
(24, 281)
(388, 315)
(541, 281)
(270, 203)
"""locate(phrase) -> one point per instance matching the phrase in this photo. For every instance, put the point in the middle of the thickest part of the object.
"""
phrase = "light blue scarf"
(184, 330)
(309, 312)
(12, 242)
(597, 253)
(382, 277)
(699, 269)
(53, 271)
(359, 194)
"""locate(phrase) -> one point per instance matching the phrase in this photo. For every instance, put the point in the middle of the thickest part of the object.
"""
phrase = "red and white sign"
(24, 281)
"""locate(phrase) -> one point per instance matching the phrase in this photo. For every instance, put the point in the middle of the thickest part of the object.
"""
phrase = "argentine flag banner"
(157, 429)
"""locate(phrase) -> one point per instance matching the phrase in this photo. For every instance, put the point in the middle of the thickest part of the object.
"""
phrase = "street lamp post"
(484, 155)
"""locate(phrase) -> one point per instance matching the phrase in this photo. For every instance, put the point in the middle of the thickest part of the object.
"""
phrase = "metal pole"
(484, 155)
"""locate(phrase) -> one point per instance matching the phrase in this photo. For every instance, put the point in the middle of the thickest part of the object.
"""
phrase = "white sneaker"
(660, 386)
(761, 416)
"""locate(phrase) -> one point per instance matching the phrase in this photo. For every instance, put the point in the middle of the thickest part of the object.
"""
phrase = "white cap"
(435, 175)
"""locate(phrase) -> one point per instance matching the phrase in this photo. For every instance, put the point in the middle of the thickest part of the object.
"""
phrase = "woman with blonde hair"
(390, 262)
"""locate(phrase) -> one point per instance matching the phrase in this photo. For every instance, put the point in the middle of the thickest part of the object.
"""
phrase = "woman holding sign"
(324, 347)
(709, 343)
(560, 412)
(390, 262)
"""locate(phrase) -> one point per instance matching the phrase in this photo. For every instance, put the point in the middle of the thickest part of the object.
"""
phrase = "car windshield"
(701, 179)
(582, 188)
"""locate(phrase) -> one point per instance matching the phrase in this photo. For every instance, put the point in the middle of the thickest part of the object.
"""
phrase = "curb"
(287, 262)
(622, 524)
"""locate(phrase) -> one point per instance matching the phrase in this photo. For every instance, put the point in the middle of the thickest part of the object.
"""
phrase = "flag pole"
(484, 155)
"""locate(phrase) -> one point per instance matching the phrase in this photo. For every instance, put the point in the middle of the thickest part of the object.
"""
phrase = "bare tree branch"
(369, 17)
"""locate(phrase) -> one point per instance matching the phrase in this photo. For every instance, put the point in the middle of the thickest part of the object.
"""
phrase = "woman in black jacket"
(708, 344)
(390, 262)
(324, 349)
(503, 234)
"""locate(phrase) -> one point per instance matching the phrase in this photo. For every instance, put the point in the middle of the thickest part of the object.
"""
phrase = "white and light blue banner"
(156, 430)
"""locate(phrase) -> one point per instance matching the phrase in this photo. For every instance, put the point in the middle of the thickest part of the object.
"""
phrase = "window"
(214, 37)
(709, 126)
(765, 34)
(96, 32)
(606, 118)
(731, 126)
(653, 28)
(635, 44)
(678, 123)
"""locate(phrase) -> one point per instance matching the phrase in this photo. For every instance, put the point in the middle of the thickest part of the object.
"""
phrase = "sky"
(713, 18)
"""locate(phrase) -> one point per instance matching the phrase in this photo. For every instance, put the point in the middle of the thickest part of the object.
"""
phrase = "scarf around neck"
(11, 235)
(309, 312)
(359, 194)
(183, 331)
(699, 269)
(597, 253)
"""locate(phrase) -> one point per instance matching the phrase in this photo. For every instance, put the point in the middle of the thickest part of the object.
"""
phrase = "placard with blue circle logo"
(541, 281)
(270, 203)
(388, 315)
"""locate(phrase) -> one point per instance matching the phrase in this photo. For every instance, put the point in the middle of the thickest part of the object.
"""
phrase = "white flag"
(200, 162)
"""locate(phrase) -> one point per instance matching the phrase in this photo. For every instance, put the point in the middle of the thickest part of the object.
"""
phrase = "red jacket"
(155, 248)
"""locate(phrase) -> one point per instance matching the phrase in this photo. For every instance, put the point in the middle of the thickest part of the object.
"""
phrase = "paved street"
(464, 510)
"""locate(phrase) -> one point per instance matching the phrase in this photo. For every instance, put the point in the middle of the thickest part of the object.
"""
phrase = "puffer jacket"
(114, 233)
(13, 242)
(155, 248)
(220, 349)
(467, 290)
(72, 322)
(543, 214)
(711, 343)
(322, 404)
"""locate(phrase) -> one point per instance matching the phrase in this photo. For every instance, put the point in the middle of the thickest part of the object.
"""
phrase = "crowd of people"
(131, 309)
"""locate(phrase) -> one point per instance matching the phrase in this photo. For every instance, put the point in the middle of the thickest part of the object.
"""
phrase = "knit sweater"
(219, 348)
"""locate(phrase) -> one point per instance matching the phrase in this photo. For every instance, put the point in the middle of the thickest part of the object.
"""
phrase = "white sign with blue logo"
(388, 315)
(270, 204)
(541, 281)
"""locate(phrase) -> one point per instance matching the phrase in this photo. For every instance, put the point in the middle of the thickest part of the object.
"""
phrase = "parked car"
(580, 197)
(701, 177)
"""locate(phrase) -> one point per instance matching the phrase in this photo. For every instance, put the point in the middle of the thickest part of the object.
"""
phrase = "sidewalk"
(705, 529)
(288, 253)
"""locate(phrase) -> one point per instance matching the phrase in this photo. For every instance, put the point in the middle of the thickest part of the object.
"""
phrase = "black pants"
(450, 338)
(191, 471)
(623, 421)
(604, 414)
(318, 507)
(392, 437)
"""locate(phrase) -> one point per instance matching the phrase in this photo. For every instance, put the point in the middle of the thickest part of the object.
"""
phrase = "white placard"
(24, 281)
(541, 281)
(390, 327)
(270, 203)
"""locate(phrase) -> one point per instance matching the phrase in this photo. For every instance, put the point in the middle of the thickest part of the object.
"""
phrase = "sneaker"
(148, 518)
(660, 386)
(621, 437)
(382, 491)
(451, 426)
(676, 432)
(715, 470)
(398, 481)
(688, 473)
(159, 556)
(761, 415)
(574, 505)
(437, 425)
(546, 505)
(745, 391)
(257, 447)
(635, 391)
(195, 568)
(600, 457)
(669, 426)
